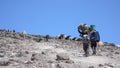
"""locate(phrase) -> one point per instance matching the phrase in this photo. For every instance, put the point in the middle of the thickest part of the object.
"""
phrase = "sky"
(55, 17)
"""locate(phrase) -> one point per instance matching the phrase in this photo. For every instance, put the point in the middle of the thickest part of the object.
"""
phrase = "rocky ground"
(19, 50)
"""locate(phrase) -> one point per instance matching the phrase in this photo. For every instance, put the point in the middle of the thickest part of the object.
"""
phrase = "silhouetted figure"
(47, 37)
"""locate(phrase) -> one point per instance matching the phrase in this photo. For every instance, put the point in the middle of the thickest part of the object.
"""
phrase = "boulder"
(62, 56)
(4, 62)
(117, 53)
(2, 54)
(101, 65)
(109, 65)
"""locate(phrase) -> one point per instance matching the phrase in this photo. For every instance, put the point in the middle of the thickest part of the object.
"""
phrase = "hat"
(92, 27)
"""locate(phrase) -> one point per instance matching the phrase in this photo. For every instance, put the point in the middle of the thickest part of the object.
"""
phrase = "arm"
(81, 33)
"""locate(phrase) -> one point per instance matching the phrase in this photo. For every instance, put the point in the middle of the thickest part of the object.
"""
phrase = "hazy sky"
(54, 17)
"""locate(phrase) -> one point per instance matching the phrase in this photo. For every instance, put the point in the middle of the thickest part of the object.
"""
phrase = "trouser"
(86, 48)
(93, 46)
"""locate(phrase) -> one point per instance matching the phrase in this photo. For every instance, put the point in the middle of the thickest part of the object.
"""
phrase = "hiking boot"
(86, 55)
(94, 53)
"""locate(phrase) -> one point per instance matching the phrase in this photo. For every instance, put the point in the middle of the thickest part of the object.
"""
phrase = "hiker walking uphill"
(94, 38)
(83, 29)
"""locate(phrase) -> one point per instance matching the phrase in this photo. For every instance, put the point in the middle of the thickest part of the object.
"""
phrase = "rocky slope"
(19, 50)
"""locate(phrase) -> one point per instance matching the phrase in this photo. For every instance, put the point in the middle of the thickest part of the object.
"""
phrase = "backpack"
(94, 36)
(85, 39)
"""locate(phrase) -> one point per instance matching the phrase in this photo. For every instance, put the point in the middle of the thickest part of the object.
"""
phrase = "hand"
(97, 43)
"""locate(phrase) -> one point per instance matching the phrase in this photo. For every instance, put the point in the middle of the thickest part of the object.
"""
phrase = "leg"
(86, 49)
(93, 46)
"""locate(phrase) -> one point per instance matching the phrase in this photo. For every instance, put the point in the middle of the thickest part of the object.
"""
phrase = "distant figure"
(84, 31)
(47, 37)
(94, 38)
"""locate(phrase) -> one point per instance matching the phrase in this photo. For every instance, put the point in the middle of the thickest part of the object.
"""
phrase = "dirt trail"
(71, 53)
